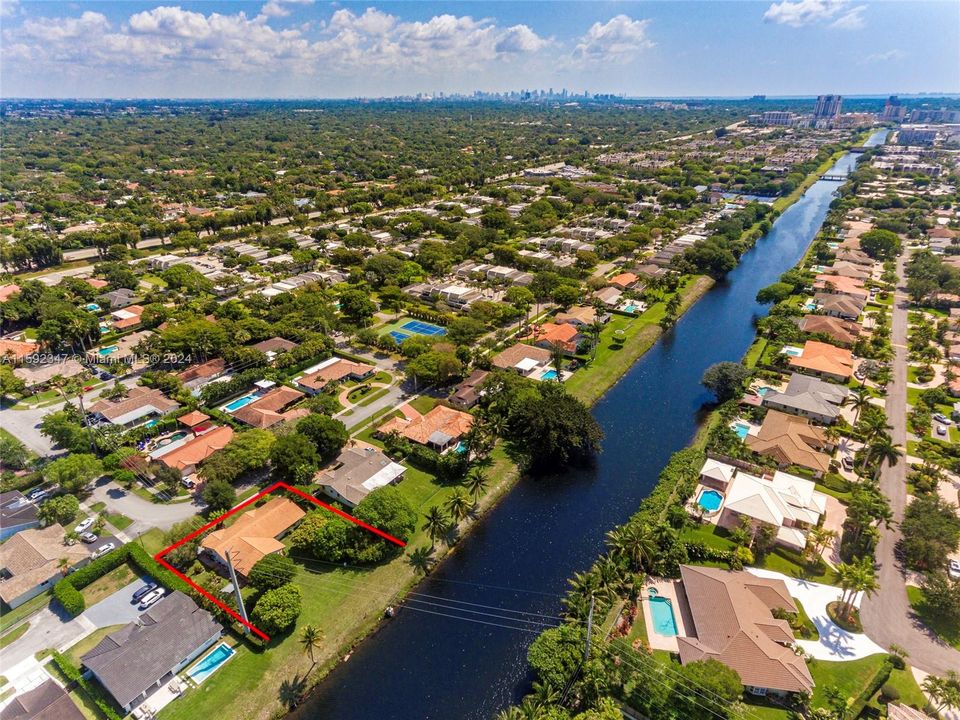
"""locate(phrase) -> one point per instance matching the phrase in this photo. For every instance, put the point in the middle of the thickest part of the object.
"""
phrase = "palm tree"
(310, 639)
(819, 538)
(855, 578)
(458, 505)
(422, 560)
(436, 525)
(636, 543)
(884, 451)
(858, 399)
(476, 484)
(944, 691)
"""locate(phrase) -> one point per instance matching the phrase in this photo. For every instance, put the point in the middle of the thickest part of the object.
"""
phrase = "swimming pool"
(710, 500)
(631, 308)
(104, 329)
(152, 423)
(792, 351)
(235, 405)
(741, 429)
(549, 375)
(810, 306)
(661, 612)
(107, 350)
(762, 392)
(206, 667)
(92, 307)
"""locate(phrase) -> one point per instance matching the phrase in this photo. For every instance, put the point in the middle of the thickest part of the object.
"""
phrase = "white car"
(941, 430)
(150, 598)
(88, 537)
(83, 526)
(953, 569)
(103, 550)
(38, 494)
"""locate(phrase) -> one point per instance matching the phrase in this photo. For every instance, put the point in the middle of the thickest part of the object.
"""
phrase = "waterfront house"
(732, 621)
(33, 560)
(441, 428)
(824, 360)
(357, 472)
(580, 316)
(609, 296)
(254, 535)
(524, 359)
(848, 269)
(809, 397)
(550, 335)
(792, 440)
(840, 285)
(844, 332)
(839, 306)
(148, 652)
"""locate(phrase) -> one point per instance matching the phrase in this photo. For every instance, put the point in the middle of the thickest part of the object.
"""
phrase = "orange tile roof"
(16, 350)
(842, 285)
(265, 411)
(7, 291)
(790, 440)
(842, 331)
(96, 283)
(192, 418)
(254, 534)
(198, 449)
(563, 335)
(825, 359)
(419, 428)
(624, 280)
(205, 370)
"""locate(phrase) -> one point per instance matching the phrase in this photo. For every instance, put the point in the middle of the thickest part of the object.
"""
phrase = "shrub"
(272, 571)
(890, 693)
(277, 610)
(69, 597)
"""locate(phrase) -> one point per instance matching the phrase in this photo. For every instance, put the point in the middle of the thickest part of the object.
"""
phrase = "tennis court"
(398, 336)
(423, 328)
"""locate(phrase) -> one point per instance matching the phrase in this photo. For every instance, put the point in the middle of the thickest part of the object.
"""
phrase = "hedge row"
(99, 696)
(870, 689)
(676, 484)
(67, 590)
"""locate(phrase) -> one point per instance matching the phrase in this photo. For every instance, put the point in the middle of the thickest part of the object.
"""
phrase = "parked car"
(88, 537)
(103, 550)
(953, 569)
(148, 588)
(941, 418)
(847, 462)
(150, 598)
(38, 494)
(88, 388)
(941, 430)
(188, 483)
(105, 376)
(84, 525)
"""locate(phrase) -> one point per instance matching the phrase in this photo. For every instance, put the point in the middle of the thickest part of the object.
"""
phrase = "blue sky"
(310, 48)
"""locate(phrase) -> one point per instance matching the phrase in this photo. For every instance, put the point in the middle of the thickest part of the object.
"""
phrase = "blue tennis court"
(398, 336)
(422, 328)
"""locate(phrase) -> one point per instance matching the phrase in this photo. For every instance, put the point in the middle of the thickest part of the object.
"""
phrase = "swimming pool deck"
(673, 590)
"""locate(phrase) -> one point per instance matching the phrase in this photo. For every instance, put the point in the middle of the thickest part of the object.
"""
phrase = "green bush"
(69, 597)
(889, 692)
(870, 689)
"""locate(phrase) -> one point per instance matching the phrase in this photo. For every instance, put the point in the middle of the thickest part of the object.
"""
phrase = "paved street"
(887, 617)
(144, 513)
(54, 628)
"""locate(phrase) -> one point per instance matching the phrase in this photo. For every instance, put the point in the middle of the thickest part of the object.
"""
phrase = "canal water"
(426, 665)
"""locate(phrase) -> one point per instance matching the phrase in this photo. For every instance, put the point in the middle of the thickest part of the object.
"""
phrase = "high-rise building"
(827, 107)
(893, 109)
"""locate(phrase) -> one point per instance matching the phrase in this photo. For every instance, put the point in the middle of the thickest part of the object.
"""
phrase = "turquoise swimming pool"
(92, 307)
(235, 405)
(549, 375)
(762, 392)
(792, 351)
(107, 350)
(661, 612)
(710, 500)
(206, 667)
(741, 429)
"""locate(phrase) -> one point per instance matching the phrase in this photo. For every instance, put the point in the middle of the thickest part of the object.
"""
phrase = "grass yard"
(119, 520)
(945, 631)
(152, 541)
(10, 617)
(105, 586)
(423, 404)
(14, 634)
(910, 692)
(616, 354)
(84, 646)
(849, 677)
(754, 353)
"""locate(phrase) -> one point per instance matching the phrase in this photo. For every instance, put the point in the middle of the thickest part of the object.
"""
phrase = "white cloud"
(800, 13)
(9, 8)
(280, 8)
(894, 54)
(619, 38)
(173, 39)
(851, 20)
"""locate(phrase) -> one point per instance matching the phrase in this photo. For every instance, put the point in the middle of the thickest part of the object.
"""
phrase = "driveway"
(834, 642)
(53, 628)
(145, 514)
(886, 616)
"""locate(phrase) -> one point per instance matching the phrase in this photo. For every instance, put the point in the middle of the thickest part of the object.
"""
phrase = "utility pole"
(236, 591)
(586, 647)
(86, 423)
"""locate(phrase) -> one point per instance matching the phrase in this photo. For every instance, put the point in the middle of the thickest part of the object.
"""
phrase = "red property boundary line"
(277, 485)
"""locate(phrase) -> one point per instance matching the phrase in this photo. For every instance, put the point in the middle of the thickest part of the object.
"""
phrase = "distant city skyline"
(308, 49)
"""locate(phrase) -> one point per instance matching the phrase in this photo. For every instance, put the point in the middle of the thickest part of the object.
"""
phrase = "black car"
(105, 376)
(148, 588)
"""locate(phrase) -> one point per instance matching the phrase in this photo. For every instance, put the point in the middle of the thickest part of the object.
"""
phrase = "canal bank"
(518, 558)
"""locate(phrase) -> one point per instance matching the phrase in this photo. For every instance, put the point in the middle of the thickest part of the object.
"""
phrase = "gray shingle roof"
(132, 659)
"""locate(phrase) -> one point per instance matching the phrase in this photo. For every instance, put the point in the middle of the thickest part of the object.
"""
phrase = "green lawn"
(119, 521)
(849, 677)
(9, 617)
(14, 634)
(945, 631)
(754, 353)
(910, 692)
(152, 541)
(105, 586)
(423, 404)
